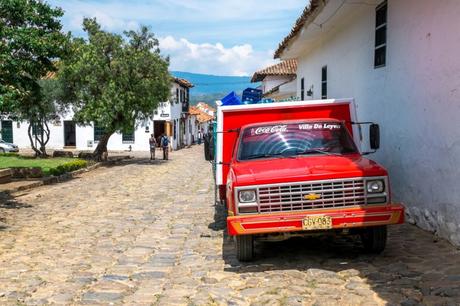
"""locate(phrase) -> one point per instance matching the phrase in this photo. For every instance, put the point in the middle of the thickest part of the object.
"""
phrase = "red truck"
(296, 168)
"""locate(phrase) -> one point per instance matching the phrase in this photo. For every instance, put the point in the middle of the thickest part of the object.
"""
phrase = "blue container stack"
(231, 99)
(252, 95)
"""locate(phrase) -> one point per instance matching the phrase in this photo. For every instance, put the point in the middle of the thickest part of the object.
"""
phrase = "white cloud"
(107, 22)
(214, 58)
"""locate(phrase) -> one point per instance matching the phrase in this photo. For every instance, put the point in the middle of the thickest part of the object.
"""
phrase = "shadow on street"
(414, 264)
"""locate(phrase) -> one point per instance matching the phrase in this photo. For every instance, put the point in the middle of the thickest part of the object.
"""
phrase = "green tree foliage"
(114, 81)
(30, 41)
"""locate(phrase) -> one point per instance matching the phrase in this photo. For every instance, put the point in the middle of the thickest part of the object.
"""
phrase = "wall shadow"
(416, 268)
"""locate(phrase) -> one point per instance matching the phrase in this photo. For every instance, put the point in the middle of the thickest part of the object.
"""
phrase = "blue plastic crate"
(252, 95)
(231, 99)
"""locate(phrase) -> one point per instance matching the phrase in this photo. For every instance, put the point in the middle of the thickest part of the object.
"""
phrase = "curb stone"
(52, 179)
(64, 177)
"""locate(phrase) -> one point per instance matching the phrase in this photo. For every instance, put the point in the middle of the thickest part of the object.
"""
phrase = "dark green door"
(7, 130)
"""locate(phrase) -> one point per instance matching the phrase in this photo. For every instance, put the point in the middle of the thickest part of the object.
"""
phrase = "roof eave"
(308, 15)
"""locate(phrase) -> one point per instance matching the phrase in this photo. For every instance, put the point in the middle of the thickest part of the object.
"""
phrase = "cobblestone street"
(142, 233)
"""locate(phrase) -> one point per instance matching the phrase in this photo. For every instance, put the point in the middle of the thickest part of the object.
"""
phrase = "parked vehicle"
(297, 168)
(6, 147)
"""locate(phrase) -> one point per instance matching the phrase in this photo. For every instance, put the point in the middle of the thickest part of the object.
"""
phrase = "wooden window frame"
(324, 82)
(382, 47)
(302, 89)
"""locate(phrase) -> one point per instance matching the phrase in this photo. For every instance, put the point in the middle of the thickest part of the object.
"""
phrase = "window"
(309, 138)
(324, 82)
(98, 132)
(128, 136)
(37, 129)
(380, 35)
(302, 89)
(177, 95)
(174, 129)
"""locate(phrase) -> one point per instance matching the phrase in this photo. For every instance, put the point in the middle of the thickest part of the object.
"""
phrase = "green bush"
(68, 167)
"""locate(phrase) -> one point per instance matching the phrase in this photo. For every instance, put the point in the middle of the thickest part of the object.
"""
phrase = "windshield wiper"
(311, 151)
(255, 156)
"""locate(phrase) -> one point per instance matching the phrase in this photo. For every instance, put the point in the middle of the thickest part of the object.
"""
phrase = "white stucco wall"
(415, 98)
(85, 134)
(271, 81)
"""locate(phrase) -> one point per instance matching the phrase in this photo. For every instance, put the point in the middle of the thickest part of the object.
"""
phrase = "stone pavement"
(143, 233)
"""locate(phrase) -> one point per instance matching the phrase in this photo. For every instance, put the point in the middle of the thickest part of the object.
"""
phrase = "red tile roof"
(287, 67)
(201, 116)
(206, 106)
(183, 82)
(308, 14)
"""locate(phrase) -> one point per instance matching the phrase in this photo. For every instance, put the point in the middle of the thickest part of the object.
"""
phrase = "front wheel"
(2, 150)
(245, 247)
(374, 239)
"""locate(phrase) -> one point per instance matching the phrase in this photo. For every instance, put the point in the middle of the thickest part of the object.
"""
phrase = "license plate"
(317, 222)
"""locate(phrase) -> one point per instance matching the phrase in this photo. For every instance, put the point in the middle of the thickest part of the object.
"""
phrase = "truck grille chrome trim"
(323, 194)
(309, 195)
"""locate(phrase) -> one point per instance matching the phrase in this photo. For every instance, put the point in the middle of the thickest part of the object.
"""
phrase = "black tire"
(2, 150)
(374, 239)
(244, 247)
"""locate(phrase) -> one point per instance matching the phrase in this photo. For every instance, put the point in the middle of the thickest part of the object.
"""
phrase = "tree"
(114, 81)
(30, 41)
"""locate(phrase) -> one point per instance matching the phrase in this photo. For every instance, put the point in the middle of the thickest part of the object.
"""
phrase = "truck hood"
(305, 168)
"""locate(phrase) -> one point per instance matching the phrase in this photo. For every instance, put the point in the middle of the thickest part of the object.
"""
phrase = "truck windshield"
(294, 139)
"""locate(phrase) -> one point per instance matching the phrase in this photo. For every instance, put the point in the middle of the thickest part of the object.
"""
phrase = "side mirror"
(209, 147)
(374, 135)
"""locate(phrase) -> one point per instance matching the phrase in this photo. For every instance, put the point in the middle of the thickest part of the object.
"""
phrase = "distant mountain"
(209, 88)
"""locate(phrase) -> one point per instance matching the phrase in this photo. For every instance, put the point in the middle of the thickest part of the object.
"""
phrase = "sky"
(220, 37)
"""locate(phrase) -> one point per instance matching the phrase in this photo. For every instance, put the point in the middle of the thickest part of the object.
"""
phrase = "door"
(7, 130)
(69, 134)
(158, 130)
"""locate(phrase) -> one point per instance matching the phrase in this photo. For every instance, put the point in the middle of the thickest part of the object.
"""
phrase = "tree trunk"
(100, 153)
(42, 139)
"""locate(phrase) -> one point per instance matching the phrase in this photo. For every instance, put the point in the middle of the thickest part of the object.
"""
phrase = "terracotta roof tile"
(309, 11)
(203, 117)
(183, 82)
(206, 106)
(193, 110)
(287, 67)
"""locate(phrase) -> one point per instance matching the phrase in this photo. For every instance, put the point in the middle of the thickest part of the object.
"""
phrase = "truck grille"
(329, 194)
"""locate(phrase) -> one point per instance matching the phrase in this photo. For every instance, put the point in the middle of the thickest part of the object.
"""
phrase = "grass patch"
(49, 166)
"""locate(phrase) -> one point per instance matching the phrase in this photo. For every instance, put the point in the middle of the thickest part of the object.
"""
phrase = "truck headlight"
(247, 196)
(375, 186)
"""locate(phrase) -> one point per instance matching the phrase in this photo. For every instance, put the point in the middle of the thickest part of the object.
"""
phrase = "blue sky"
(222, 37)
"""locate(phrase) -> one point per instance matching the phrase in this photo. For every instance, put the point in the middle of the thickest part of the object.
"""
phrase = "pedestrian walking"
(164, 141)
(152, 144)
(199, 137)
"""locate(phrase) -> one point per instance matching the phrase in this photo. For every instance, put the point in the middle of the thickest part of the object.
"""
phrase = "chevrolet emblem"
(312, 196)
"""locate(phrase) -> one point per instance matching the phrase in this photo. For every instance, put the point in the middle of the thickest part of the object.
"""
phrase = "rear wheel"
(2, 150)
(245, 247)
(374, 239)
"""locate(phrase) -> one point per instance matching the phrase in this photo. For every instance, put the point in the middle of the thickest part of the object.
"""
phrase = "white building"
(203, 119)
(278, 81)
(171, 118)
(206, 108)
(400, 61)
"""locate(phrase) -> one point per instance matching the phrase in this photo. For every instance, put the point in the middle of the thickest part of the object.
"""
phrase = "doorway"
(7, 131)
(158, 130)
(69, 134)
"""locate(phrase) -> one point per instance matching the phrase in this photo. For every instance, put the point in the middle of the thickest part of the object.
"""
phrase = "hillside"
(209, 88)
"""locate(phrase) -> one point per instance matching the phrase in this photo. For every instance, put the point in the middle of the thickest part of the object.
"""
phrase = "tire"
(2, 150)
(244, 247)
(374, 239)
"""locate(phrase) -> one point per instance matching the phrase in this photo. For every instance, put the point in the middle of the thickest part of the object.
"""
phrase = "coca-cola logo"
(269, 129)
